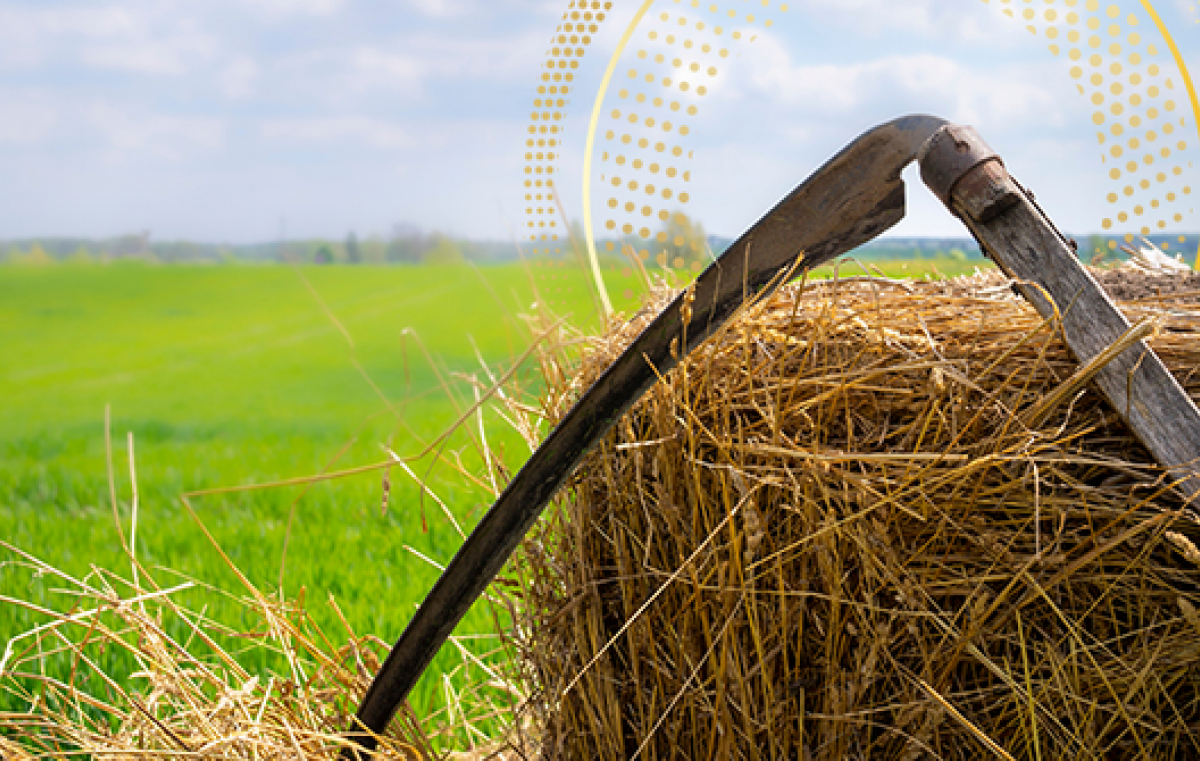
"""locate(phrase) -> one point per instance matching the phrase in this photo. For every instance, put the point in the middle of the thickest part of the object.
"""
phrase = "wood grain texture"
(1027, 246)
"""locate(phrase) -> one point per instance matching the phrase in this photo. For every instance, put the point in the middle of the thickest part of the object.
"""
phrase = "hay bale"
(840, 530)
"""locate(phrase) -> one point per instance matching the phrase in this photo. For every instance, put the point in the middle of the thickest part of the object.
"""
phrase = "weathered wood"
(1026, 245)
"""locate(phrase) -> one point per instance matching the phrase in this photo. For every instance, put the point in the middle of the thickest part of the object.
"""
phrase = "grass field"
(228, 376)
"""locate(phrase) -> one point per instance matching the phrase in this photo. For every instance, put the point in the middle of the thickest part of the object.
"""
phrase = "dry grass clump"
(193, 694)
(851, 526)
(190, 696)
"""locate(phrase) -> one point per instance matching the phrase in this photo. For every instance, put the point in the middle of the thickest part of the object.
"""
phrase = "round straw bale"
(837, 531)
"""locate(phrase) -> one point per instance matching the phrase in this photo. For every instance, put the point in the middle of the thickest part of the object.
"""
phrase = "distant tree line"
(405, 245)
(678, 241)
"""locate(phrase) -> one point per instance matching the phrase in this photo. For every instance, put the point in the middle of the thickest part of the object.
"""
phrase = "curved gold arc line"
(1183, 72)
(587, 157)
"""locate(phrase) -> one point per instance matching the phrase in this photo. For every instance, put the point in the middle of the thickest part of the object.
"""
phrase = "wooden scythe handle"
(1014, 231)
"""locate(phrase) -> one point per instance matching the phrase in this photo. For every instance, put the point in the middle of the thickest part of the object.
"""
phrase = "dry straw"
(190, 696)
(872, 520)
(867, 520)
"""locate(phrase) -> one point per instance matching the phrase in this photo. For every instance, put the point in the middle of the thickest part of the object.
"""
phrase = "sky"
(241, 120)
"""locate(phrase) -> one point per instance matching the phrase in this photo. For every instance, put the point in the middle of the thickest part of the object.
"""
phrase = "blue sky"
(218, 119)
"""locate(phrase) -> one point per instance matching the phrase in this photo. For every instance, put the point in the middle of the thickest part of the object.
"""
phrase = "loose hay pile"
(849, 527)
(191, 696)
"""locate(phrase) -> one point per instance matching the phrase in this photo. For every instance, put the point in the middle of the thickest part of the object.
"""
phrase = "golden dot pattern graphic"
(1119, 63)
(646, 166)
(1115, 60)
(544, 224)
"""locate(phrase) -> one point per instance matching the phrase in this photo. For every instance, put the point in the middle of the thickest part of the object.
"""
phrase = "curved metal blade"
(854, 197)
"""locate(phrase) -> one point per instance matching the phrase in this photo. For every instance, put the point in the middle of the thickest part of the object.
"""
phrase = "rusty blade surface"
(854, 197)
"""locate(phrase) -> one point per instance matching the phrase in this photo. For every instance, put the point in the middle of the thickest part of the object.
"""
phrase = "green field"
(239, 375)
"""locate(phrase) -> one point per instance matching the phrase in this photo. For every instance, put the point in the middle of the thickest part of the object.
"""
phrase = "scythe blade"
(854, 197)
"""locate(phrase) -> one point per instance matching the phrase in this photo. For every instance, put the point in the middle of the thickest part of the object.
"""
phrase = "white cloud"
(240, 78)
(169, 57)
(147, 40)
(441, 87)
(140, 134)
(437, 8)
(282, 8)
(344, 129)
(936, 83)
(375, 68)
(25, 119)
(28, 36)
(964, 21)
(412, 65)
